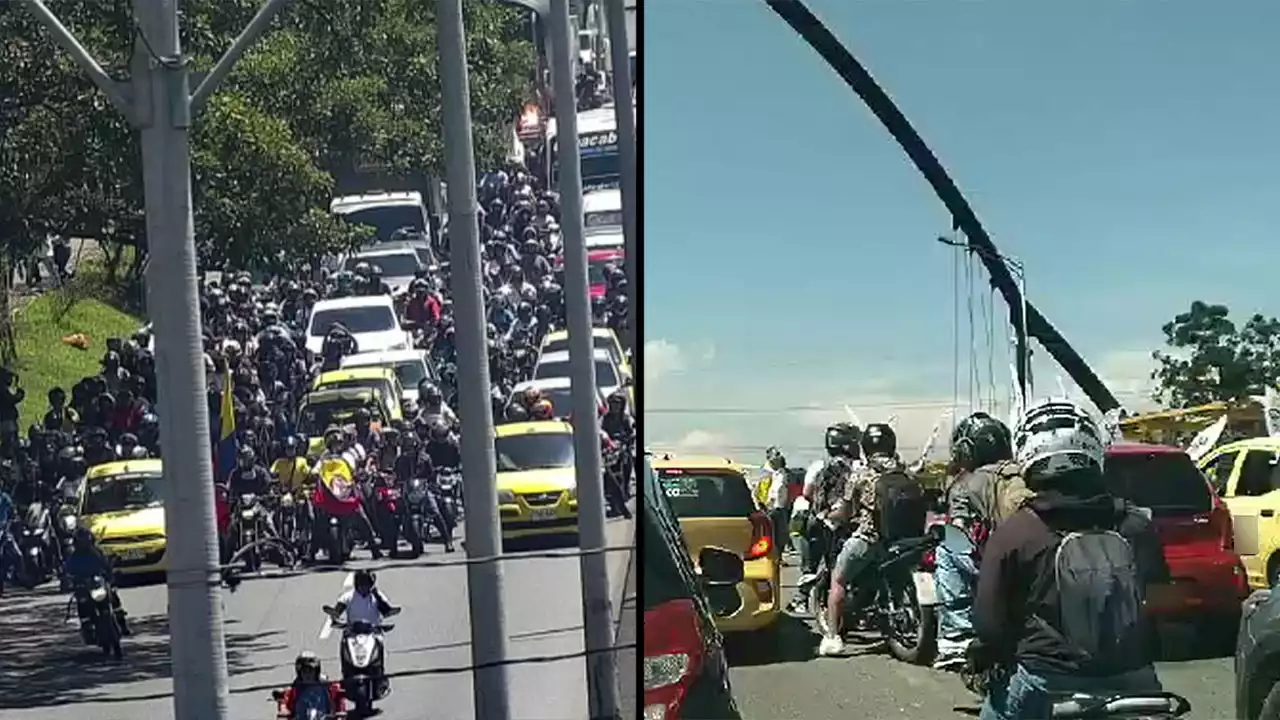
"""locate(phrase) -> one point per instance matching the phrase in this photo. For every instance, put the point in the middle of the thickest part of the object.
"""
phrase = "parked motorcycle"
(362, 656)
(99, 624)
(901, 602)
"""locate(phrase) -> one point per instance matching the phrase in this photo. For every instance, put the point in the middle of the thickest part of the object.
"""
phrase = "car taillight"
(761, 536)
(1220, 521)
(673, 655)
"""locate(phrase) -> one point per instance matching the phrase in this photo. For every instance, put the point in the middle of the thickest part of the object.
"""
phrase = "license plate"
(542, 513)
(132, 554)
(926, 591)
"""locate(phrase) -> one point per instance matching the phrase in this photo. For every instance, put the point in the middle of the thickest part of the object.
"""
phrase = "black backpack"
(901, 506)
(1099, 589)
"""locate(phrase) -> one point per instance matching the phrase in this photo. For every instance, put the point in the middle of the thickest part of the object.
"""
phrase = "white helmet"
(1057, 436)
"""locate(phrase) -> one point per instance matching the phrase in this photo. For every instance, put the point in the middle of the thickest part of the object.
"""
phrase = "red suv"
(1208, 581)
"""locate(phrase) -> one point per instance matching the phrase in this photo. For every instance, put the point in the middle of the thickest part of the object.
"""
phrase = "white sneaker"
(806, 579)
(831, 645)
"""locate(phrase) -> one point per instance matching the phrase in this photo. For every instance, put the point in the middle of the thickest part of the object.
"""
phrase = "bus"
(598, 144)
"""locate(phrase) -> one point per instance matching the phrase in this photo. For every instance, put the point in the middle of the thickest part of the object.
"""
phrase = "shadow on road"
(45, 663)
(1179, 642)
(788, 640)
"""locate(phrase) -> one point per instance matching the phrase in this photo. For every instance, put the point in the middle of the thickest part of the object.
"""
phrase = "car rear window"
(707, 493)
(1168, 483)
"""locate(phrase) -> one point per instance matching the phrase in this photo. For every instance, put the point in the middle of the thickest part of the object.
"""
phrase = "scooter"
(322, 701)
(901, 601)
(363, 658)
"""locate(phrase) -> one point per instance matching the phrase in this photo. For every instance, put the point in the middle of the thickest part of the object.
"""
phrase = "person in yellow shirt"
(291, 468)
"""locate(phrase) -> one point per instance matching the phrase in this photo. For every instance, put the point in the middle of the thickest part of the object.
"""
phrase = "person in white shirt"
(777, 498)
(365, 603)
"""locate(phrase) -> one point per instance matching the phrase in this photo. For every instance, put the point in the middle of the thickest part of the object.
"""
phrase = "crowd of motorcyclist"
(255, 351)
(1040, 570)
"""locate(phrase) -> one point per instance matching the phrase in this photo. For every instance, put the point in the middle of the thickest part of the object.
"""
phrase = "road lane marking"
(327, 629)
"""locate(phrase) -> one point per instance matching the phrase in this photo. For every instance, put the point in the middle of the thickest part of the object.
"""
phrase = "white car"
(556, 365)
(370, 319)
(399, 263)
(605, 240)
(411, 366)
(602, 211)
(557, 390)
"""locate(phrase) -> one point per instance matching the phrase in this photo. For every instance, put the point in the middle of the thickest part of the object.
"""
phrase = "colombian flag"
(224, 442)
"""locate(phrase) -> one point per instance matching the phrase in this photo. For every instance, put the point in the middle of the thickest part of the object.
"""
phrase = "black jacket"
(1016, 586)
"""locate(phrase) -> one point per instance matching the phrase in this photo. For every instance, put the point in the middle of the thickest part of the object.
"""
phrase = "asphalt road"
(789, 681)
(46, 673)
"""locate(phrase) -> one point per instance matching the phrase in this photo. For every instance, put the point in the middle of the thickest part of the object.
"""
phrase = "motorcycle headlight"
(247, 514)
(98, 594)
(506, 497)
(286, 500)
(69, 523)
(573, 493)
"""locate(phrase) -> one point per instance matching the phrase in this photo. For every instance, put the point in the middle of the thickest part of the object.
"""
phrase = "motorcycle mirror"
(393, 612)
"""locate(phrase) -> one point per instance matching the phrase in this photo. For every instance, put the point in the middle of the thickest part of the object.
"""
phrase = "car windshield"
(355, 384)
(534, 451)
(411, 373)
(595, 269)
(387, 219)
(365, 319)
(315, 418)
(603, 219)
(707, 493)
(134, 491)
(600, 163)
(392, 264)
(1166, 482)
(606, 377)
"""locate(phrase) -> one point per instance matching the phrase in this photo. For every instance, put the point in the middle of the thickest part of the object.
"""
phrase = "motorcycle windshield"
(313, 701)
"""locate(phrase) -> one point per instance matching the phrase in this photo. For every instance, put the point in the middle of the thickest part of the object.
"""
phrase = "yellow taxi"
(383, 379)
(537, 490)
(122, 504)
(323, 408)
(601, 339)
(716, 508)
(1246, 475)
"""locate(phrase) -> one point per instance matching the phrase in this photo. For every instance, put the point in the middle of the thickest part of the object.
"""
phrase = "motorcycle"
(13, 562)
(362, 655)
(335, 500)
(389, 510)
(40, 548)
(311, 702)
(98, 622)
(901, 602)
(413, 521)
(1153, 706)
(249, 527)
(450, 480)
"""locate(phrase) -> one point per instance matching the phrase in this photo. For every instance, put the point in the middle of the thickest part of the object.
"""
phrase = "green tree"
(1210, 358)
(332, 86)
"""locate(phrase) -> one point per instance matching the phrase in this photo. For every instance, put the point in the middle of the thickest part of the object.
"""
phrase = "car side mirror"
(720, 567)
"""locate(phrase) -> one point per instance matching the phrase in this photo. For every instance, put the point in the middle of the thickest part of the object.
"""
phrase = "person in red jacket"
(310, 689)
(424, 306)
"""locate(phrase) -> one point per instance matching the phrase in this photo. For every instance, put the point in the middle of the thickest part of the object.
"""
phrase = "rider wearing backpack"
(885, 504)
(984, 478)
(1062, 581)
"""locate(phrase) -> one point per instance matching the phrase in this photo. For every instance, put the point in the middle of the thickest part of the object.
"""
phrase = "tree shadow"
(47, 664)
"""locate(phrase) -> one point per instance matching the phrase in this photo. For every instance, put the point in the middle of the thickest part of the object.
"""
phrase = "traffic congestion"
(332, 390)
(862, 559)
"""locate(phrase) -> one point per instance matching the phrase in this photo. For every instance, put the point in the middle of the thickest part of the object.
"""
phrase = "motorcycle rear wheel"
(911, 635)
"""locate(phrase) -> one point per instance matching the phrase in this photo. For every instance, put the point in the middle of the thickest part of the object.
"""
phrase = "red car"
(596, 262)
(1194, 525)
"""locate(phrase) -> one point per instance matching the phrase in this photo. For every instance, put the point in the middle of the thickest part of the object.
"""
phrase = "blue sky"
(1126, 152)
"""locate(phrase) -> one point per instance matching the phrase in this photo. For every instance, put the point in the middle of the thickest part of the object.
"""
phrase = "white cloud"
(661, 358)
(702, 440)
(1126, 372)
(709, 353)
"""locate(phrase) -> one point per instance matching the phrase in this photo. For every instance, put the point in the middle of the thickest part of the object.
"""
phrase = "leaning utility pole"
(160, 103)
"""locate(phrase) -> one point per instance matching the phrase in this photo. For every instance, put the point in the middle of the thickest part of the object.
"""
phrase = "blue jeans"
(957, 577)
(1029, 696)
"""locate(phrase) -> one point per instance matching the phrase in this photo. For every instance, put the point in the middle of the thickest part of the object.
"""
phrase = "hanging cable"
(955, 330)
(988, 332)
(974, 382)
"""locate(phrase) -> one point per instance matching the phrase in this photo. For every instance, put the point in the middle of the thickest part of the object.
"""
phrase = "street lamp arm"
(250, 35)
(115, 91)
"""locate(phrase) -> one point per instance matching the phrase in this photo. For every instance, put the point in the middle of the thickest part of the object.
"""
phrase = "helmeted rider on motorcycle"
(431, 404)
(364, 602)
(310, 688)
(843, 453)
(85, 562)
(335, 448)
(856, 508)
(983, 475)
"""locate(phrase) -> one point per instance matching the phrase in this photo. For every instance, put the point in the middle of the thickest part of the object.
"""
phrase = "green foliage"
(331, 87)
(1211, 359)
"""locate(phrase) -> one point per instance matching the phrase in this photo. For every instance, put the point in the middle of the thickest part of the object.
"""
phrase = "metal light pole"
(616, 18)
(597, 605)
(480, 491)
(160, 104)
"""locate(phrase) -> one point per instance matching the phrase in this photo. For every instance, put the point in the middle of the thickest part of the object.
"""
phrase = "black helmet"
(362, 415)
(307, 660)
(362, 578)
(879, 439)
(980, 440)
(842, 439)
(246, 455)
